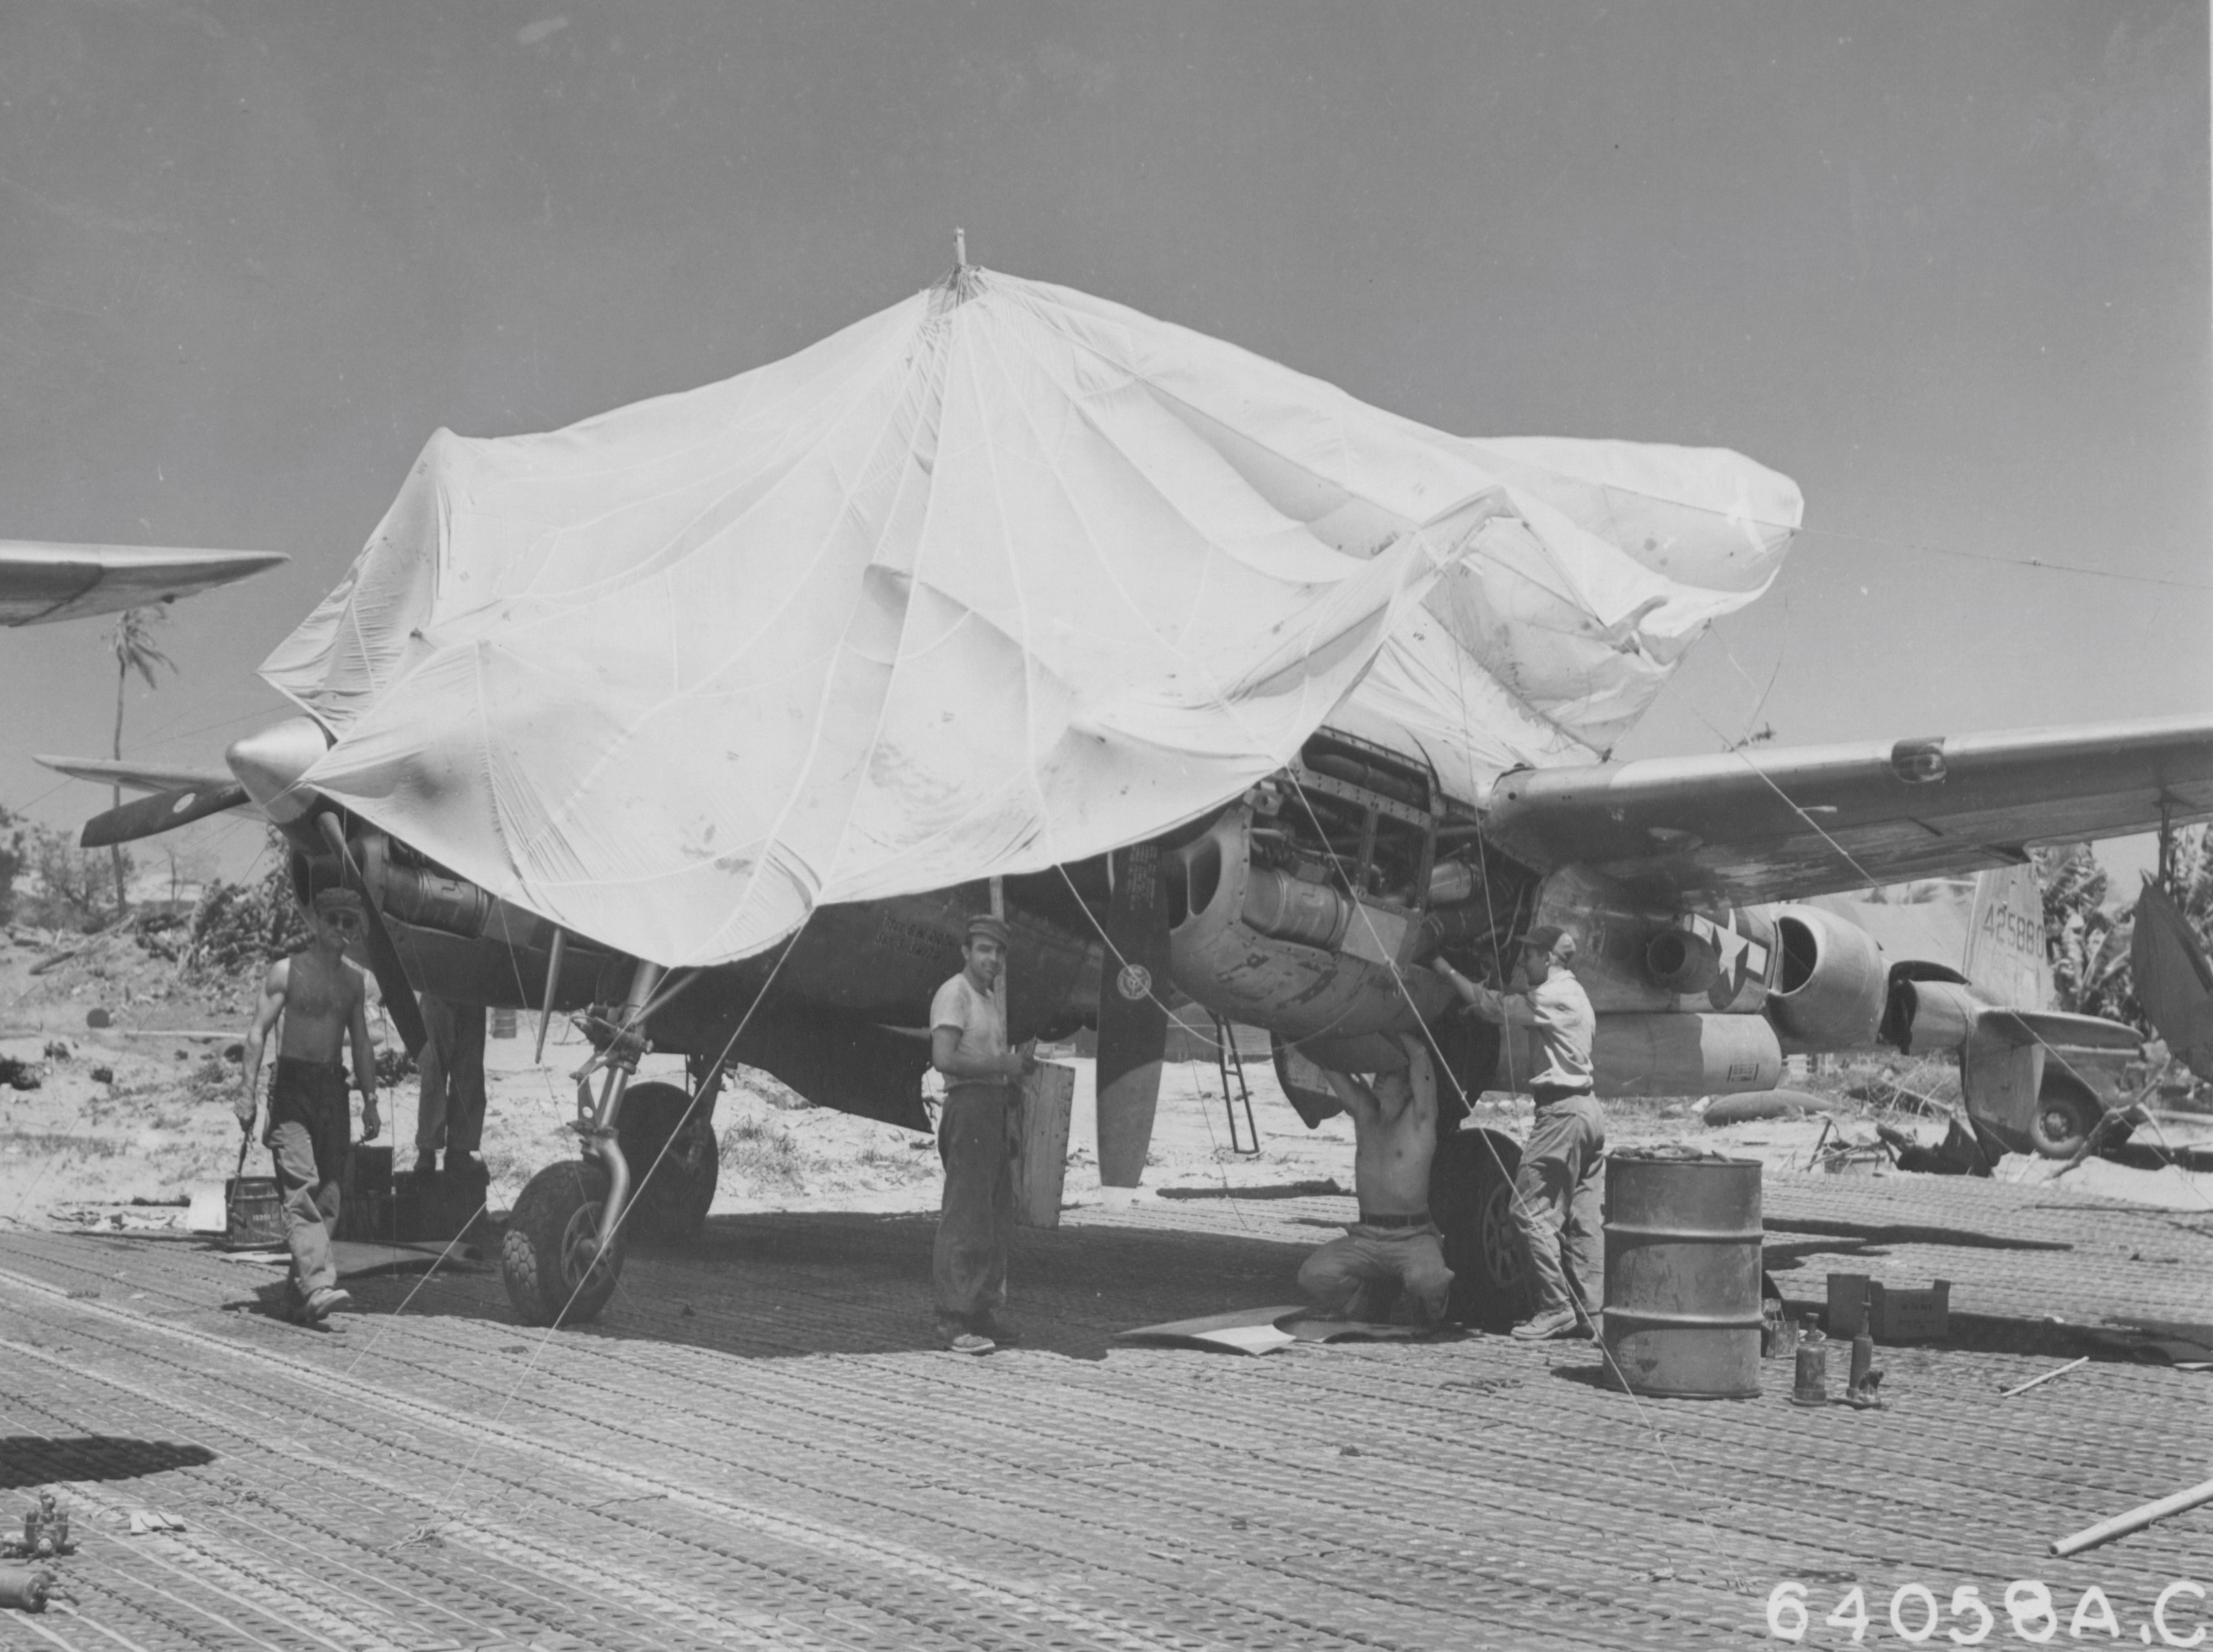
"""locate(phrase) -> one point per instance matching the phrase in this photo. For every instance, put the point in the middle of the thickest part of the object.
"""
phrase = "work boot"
(321, 1304)
(1001, 1331)
(955, 1333)
(1553, 1323)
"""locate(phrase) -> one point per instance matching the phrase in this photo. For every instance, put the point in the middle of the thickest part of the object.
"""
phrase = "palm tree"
(132, 641)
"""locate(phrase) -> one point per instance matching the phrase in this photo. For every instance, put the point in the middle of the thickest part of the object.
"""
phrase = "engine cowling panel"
(1830, 982)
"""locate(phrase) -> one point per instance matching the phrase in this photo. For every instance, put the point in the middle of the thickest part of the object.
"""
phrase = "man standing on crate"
(968, 1044)
(1558, 1188)
(320, 999)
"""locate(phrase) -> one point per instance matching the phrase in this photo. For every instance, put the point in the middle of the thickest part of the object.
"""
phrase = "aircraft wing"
(1778, 824)
(41, 582)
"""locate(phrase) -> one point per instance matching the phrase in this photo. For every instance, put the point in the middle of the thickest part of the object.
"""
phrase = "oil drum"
(1682, 1274)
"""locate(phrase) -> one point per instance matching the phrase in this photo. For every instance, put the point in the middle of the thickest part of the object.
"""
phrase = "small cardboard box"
(1895, 1315)
(1044, 1104)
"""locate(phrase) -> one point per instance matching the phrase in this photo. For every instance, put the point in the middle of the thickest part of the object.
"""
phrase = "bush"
(69, 888)
(246, 926)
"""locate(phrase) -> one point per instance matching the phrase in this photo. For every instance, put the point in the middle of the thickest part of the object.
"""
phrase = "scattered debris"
(45, 1532)
(19, 1074)
(2134, 1521)
(57, 1051)
(2058, 1370)
(25, 1588)
(1890, 1096)
(143, 1520)
(103, 1074)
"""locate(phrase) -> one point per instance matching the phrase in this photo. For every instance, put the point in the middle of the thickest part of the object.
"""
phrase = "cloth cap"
(984, 924)
(1546, 936)
(328, 901)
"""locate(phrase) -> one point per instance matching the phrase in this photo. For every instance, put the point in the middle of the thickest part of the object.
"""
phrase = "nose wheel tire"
(674, 1186)
(1472, 1198)
(555, 1272)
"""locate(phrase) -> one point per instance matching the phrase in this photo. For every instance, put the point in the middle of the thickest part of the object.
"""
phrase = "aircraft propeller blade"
(161, 811)
(383, 956)
(1133, 1016)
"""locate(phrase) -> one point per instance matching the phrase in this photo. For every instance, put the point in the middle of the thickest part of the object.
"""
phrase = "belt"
(1419, 1219)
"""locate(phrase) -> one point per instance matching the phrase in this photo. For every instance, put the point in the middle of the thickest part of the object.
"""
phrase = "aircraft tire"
(1471, 1197)
(2063, 1120)
(670, 1203)
(546, 1258)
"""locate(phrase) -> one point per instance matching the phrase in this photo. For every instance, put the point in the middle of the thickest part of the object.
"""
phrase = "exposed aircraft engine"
(1831, 984)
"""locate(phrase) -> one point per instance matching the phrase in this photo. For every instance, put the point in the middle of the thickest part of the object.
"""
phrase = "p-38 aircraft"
(715, 718)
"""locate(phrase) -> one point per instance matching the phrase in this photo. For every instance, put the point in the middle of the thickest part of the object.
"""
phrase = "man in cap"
(1395, 1245)
(1557, 1189)
(968, 1044)
(320, 999)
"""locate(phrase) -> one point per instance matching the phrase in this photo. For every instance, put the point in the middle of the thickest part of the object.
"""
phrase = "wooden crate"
(1043, 1106)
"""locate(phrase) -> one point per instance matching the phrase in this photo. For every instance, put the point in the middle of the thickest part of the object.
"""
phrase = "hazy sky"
(1947, 265)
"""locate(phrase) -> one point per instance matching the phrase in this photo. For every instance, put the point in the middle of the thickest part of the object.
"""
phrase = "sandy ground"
(141, 1111)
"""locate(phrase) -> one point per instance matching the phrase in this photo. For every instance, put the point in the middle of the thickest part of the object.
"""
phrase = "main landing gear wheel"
(1472, 1198)
(555, 1272)
(671, 1202)
(2063, 1121)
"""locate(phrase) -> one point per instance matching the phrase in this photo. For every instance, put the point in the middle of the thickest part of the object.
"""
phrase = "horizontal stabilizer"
(163, 811)
(2057, 1030)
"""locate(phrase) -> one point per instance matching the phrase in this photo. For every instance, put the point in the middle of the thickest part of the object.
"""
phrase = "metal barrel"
(1682, 1275)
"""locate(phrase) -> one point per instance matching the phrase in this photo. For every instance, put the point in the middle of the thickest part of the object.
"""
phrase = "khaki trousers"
(1558, 1193)
(968, 1264)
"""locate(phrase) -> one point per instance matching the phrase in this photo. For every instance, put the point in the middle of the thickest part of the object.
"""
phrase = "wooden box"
(1043, 1106)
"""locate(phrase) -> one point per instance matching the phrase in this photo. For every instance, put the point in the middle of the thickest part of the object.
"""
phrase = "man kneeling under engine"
(1394, 1245)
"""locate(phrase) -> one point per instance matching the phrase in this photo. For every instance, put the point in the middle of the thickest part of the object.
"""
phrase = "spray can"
(1812, 1385)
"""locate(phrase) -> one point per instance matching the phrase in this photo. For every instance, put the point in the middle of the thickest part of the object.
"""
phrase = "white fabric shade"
(1003, 576)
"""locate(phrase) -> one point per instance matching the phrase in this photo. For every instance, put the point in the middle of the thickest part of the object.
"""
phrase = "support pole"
(554, 957)
(2135, 1520)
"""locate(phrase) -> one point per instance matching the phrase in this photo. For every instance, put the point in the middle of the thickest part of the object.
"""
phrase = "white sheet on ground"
(1003, 576)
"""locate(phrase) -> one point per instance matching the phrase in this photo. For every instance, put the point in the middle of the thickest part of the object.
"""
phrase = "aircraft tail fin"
(2005, 954)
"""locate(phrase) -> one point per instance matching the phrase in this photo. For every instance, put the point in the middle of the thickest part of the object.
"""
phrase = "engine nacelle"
(1300, 957)
(1830, 984)
(1933, 1016)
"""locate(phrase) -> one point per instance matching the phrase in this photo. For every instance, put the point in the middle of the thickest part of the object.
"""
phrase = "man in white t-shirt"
(968, 1044)
(1559, 1187)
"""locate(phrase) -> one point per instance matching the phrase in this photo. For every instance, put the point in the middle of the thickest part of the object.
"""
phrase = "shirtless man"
(1394, 1244)
(320, 997)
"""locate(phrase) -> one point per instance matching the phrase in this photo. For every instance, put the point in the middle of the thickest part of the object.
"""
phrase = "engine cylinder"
(1829, 991)
(1290, 909)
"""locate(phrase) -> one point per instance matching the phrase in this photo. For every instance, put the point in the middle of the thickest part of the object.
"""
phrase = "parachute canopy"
(1003, 576)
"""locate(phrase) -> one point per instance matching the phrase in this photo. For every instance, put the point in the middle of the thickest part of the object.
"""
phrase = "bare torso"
(321, 994)
(1394, 1130)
